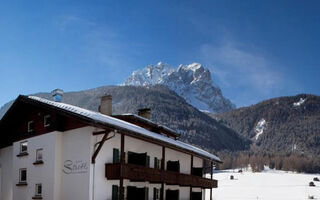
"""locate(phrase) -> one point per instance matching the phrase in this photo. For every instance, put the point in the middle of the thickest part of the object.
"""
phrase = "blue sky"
(255, 49)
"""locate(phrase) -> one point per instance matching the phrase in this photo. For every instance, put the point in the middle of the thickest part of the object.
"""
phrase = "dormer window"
(46, 120)
(30, 126)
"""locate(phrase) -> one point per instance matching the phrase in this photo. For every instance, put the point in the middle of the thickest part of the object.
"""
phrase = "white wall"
(197, 162)
(66, 171)
(43, 173)
(76, 167)
(6, 190)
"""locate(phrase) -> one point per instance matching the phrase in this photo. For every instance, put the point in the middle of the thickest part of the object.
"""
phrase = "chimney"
(145, 113)
(106, 105)
(57, 95)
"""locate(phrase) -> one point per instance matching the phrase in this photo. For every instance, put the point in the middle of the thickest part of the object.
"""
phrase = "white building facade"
(55, 151)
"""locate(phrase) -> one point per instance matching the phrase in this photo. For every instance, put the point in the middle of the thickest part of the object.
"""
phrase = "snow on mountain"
(150, 75)
(260, 128)
(299, 103)
(192, 82)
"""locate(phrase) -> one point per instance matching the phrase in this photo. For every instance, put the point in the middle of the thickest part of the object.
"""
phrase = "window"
(30, 126)
(24, 147)
(197, 171)
(38, 190)
(39, 155)
(23, 175)
(172, 194)
(46, 120)
(134, 193)
(139, 159)
(196, 195)
(173, 166)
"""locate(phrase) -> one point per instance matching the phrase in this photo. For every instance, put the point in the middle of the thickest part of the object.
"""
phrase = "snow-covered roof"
(108, 120)
(150, 122)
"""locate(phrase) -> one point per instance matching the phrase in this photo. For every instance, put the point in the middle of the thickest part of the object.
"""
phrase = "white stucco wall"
(197, 162)
(76, 169)
(6, 190)
(44, 173)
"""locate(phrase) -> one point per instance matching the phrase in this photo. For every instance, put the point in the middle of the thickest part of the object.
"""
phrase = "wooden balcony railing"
(143, 174)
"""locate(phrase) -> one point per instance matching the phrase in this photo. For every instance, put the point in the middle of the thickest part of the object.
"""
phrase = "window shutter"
(148, 161)
(116, 155)
(115, 192)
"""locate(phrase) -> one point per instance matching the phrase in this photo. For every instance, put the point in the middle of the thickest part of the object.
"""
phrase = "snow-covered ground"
(266, 185)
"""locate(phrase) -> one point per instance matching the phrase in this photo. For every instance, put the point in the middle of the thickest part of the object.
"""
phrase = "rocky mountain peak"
(150, 75)
(196, 73)
(193, 82)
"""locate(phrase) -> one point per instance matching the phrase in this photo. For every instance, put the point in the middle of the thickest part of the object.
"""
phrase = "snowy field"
(266, 185)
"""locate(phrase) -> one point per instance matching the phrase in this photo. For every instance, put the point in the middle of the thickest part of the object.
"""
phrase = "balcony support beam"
(122, 162)
(163, 168)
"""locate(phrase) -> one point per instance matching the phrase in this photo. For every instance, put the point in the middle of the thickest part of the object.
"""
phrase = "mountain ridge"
(279, 125)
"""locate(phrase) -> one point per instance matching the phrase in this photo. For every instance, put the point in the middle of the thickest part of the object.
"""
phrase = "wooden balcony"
(143, 174)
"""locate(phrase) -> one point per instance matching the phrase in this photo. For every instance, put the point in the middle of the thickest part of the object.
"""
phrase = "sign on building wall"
(75, 167)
